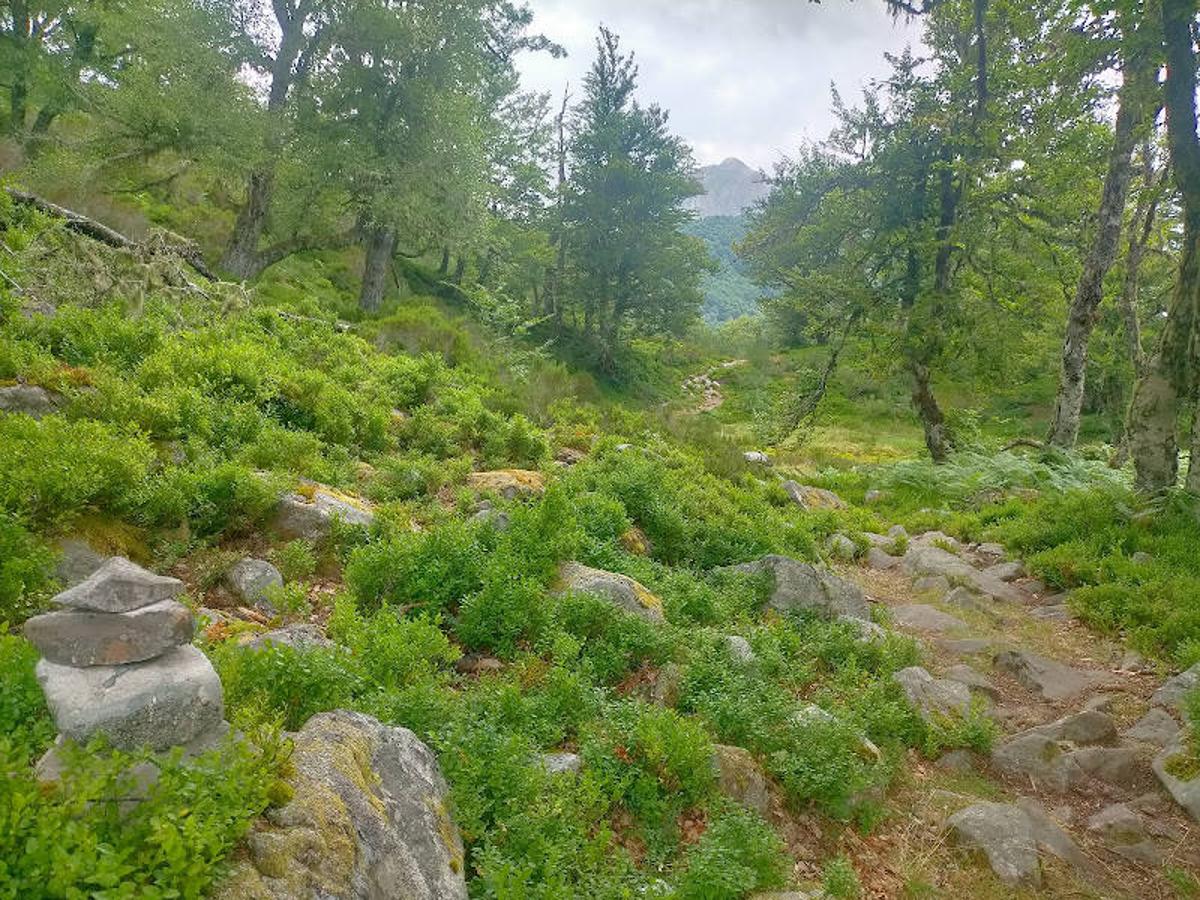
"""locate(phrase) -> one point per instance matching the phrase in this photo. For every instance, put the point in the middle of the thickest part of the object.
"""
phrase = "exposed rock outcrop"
(797, 586)
(310, 514)
(620, 590)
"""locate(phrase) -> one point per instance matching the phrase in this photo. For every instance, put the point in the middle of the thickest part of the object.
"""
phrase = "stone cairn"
(117, 660)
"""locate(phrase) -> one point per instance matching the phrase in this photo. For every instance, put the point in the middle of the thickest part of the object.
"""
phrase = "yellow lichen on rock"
(508, 483)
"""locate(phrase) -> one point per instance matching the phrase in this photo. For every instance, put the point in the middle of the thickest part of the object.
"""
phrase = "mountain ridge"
(730, 187)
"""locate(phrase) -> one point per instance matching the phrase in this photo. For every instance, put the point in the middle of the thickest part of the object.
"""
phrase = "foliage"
(24, 719)
(24, 570)
(738, 853)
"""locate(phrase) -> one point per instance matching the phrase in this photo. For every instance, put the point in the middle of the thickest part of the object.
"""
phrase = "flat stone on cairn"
(118, 661)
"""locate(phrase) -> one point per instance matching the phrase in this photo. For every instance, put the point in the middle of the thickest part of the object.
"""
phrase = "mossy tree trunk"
(381, 247)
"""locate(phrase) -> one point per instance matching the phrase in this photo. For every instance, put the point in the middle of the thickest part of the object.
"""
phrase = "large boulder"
(931, 559)
(250, 579)
(77, 560)
(367, 821)
(923, 617)
(808, 497)
(741, 779)
(1012, 836)
(1178, 771)
(1157, 727)
(81, 637)
(1050, 679)
(1173, 690)
(167, 701)
(933, 697)
(620, 590)
(29, 399)
(310, 514)
(119, 586)
(1066, 753)
(797, 586)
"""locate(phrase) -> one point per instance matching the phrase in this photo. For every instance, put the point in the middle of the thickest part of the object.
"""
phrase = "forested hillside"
(405, 493)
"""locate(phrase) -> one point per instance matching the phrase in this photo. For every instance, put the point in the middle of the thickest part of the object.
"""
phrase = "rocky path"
(1076, 797)
(706, 388)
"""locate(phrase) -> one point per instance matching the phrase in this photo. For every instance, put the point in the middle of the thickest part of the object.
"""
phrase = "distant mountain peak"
(729, 188)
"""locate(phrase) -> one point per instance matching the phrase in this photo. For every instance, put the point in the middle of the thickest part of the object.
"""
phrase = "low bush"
(738, 854)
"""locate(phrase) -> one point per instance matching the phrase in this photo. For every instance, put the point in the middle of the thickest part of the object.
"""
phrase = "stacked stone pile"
(117, 660)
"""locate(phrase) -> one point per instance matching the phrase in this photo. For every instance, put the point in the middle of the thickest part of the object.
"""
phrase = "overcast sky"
(744, 78)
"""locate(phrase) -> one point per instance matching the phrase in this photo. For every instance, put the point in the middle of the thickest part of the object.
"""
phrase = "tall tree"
(630, 265)
(1169, 382)
(1136, 107)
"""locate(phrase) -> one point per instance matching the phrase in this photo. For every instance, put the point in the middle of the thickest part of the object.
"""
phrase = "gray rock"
(938, 539)
(960, 761)
(83, 638)
(868, 631)
(963, 598)
(297, 636)
(991, 549)
(368, 820)
(966, 646)
(1005, 835)
(620, 590)
(739, 648)
(973, 679)
(1119, 766)
(562, 763)
(1157, 727)
(1169, 765)
(932, 584)
(798, 586)
(931, 696)
(931, 559)
(1034, 755)
(1049, 678)
(1006, 571)
(77, 561)
(741, 779)
(1118, 825)
(881, 541)
(1141, 558)
(756, 458)
(808, 497)
(29, 399)
(839, 546)
(119, 586)
(1086, 728)
(297, 516)
(1051, 838)
(1173, 690)
(249, 580)
(881, 561)
(161, 703)
(923, 617)
(1132, 661)
(1057, 613)
(874, 497)
(898, 532)
(490, 515)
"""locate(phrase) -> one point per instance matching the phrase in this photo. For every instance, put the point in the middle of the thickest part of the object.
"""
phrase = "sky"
(744, 78)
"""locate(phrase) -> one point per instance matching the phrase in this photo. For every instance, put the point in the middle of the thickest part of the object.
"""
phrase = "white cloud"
(748, 78)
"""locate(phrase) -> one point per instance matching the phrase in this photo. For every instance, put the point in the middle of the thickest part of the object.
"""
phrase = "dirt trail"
(707, 388)
(966, 637)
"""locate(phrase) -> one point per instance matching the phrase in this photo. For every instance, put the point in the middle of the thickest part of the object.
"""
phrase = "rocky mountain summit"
(730, 187)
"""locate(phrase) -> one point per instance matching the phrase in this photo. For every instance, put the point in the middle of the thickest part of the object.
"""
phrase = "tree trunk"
(934, 423)
(1068, 407)
(242, 258)
(1193, 475)
(1171, 373)
(444, 268)
(381, 246)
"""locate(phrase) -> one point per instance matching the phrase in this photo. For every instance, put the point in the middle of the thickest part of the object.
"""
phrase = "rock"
(1005, 835)
(809, 715)
(664, 688)
(29, 399)
(1120, 766)
(1173, 690)
(119, 586)
(996, 551)
(740, 779)
(562, 763)
(962, 598)
(932, 584)
(868, 631)
(880, 561)
(960, 761)
(368, 820)
(1063, 754)
(249, 580)
(1118, 824)
(477, 664)
(1011, 836)
(739, 648)
(756, 458)
(311, 517)
(808, 497)
(926, 559)
(508, 483)
(1134, 662)
(922, 617)
(620, 590)
(297, 636)
(489, 515)
(1057, 613)
(974, 680)
(1033, 586)
(77, 561)
(569, 456)
(875, 497)
(81, 638)
(798, 586)
(1141, 558)
(933, 696)
(940, 540)
(159, 704)
(1179, 773)
(897, 533)
(1086, 728)
(839, 546)
(1038, 757)
(1049, 678)
(1156, 727)
(1006, 571)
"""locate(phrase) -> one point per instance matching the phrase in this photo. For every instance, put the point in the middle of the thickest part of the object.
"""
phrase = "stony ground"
(1070, 778)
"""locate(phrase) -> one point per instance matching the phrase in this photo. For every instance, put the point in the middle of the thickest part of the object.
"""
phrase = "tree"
(1170, 379)
(630, 266)
(1135, 109)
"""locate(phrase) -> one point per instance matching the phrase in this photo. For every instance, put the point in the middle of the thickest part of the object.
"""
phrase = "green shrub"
(506, 611)
(25, 564)
(840, 880)
(611, 643)
(296, 560)
(738, 853)
(393, 651)
(431, 571)
(24, 719)
(79, 839)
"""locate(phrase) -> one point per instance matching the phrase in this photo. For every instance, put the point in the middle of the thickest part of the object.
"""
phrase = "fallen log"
(85, 225)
